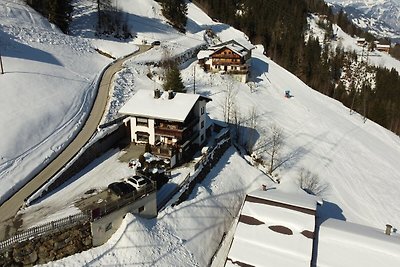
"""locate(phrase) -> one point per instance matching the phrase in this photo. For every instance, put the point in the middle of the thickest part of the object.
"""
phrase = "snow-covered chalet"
(231, 57)
(174, 124)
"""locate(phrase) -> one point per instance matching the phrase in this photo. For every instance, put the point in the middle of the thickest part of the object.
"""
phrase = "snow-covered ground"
(46, 92)
(358, 160)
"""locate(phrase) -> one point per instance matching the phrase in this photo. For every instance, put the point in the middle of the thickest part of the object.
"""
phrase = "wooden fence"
(46, 228)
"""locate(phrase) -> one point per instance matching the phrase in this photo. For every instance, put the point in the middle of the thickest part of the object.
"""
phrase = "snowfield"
(47, 90)
(359, 161)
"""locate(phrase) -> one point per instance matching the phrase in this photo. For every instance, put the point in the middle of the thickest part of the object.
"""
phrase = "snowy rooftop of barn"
(275, 228)
(356, 245)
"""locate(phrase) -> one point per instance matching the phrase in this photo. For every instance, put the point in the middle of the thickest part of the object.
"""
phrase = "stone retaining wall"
(49, 247)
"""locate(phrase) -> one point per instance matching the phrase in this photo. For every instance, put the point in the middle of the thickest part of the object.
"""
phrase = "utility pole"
(194, 79)
(1, 64)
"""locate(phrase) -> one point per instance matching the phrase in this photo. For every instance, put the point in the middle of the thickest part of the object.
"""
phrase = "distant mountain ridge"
(380, 17)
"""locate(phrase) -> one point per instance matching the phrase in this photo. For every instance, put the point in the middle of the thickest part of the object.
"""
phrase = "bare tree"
(229, 102)
(271, 143)
(311, 183)
(276, 144)
(237, 122)
(252, 124)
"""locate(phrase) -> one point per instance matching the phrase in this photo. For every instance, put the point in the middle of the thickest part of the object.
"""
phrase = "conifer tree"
(175, 12)
(173, 79)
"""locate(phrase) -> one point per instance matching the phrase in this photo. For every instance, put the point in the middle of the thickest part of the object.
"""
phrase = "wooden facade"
(230, 58)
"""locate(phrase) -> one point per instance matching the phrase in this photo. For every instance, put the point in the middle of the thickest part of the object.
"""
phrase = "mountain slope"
(358, 160)
(380, 17)
(46, 91)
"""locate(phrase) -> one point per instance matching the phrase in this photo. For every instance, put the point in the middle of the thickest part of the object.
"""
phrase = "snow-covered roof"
(356, 245)
(143, 104)
(273, 235)
(241, 48)
(204, 54)
(243, 43)
(238, 49)
(304, 201)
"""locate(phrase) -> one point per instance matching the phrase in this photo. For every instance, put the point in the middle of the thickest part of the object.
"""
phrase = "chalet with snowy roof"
(383, 48)
(174, 124)
(347, 244)
(275, 228)
(232, 57)
(361, 42)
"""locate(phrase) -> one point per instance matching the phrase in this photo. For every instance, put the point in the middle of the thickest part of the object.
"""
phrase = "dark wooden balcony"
(176, 130)
(177, 133)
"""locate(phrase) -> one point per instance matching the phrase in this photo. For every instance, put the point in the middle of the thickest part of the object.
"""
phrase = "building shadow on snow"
(258, 69)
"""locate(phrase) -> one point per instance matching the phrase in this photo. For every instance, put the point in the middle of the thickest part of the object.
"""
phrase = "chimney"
(170, 94)
(388, 229)
(264, 187)
(157, 93)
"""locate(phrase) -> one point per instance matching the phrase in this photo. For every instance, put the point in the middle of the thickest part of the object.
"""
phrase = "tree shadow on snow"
(15, 49)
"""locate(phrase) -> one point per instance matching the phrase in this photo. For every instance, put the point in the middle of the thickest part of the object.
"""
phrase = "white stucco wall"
(202, 118)
(103, 228)
(150, 130)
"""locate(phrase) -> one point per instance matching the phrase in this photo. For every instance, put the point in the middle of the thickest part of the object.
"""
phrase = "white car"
(137, 181)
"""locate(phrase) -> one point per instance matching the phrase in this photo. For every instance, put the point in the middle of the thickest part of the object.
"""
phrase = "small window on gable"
(142, 122)
(202, 124)
(141, 209)
(202, 110)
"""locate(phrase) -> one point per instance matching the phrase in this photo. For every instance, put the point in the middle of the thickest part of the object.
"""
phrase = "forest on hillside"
(56, 11)
(280, 25)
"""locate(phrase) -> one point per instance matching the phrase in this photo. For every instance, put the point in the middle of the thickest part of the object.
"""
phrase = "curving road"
(10, 207)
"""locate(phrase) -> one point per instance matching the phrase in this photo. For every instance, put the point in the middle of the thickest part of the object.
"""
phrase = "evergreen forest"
(56, 11)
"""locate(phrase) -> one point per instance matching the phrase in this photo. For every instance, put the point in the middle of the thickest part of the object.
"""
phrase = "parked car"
(121, 189)
(156, 43)
(138, 182)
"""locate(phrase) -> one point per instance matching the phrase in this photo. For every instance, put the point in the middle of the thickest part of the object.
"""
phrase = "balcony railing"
(177, 133)
(176, 130)
(163, 150)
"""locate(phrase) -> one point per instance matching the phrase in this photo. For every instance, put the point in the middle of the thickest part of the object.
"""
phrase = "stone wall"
(48, 248)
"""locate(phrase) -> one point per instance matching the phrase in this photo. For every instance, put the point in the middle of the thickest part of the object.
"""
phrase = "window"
(141, 209)
(108, 227)
(142, 122)
(202, 110)
(142, 137)
(202, 124)
(202, 138)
